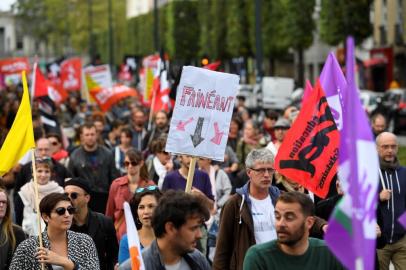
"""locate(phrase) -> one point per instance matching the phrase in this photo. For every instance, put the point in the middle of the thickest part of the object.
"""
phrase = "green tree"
(299, 27)
(274, 39)
(341, 18)
(237, 43)
(182, 35)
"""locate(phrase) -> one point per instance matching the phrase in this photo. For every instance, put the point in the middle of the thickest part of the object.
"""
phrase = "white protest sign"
(202, 114)
(101, 75)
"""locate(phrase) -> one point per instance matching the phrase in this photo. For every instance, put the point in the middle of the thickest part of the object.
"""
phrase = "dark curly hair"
(177, 207)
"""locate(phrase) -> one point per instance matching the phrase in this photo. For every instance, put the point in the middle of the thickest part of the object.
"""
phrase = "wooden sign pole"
(34, 174)
(190, 175)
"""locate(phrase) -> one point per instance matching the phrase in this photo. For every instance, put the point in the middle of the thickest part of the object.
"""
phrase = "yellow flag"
(20, 138)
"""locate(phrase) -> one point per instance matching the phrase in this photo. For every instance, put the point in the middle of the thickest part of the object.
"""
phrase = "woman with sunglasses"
(62, 249)
(123, 188)
(11, 235)
(142, 207)
(27, 195)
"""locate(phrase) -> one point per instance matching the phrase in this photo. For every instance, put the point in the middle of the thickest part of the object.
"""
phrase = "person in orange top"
(123, 188)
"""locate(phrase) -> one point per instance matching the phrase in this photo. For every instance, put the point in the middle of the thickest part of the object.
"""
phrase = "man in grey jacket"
(176, 222)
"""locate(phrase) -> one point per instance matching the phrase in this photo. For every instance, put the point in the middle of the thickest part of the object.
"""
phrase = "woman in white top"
(27, 194)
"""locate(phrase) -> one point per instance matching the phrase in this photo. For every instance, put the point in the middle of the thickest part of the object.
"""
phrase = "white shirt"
(264, 219)
(181, 265)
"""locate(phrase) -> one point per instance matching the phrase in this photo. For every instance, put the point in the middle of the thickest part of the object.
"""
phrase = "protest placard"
(202, 114)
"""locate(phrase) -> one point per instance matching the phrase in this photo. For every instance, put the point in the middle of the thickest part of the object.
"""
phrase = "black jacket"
(97, 167)
(6, 252)
(101, 229)
(391, 210)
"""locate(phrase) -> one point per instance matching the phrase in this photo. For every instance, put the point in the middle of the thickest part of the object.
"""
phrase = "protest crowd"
(241, 213)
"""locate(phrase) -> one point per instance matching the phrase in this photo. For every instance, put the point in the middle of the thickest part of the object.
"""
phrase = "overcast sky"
(5, 4)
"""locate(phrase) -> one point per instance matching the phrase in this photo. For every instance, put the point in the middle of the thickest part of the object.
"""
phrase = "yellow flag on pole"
(20, 138)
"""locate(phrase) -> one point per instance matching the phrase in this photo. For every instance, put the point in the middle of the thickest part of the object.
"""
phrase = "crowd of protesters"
(240, 213)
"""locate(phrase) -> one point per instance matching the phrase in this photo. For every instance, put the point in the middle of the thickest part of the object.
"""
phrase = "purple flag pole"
(351, 234)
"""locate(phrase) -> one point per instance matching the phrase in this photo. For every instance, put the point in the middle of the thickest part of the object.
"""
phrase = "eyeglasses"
(73, 195)
(55, 143)
(142, 189)
(62, 210)
(133, 163)
(263, 170)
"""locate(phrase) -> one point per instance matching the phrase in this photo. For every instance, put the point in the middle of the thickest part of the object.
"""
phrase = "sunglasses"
(73, 195)
(44, 159)
(54, 143)
(62, 210)
(142, 189)
(133, 163)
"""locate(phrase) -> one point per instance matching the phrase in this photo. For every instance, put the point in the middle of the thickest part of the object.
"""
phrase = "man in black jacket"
(392, 202)
(95, 164)
(99, 227)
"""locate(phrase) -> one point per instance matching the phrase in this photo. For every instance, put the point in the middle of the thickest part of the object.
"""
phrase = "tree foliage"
(340, 18)
(238, 30)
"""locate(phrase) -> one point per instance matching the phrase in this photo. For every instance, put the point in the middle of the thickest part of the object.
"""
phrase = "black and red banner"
(309, 152)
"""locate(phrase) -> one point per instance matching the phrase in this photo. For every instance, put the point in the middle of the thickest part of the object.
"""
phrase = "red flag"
(44, 87)
(307, 91)
(14, 65)
(309, 152)
(71, 74)
(161, 89)
(107, 97)
(213, 66)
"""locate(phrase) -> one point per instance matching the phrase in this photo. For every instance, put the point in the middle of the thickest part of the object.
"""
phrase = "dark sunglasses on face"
(73, 195)
(150, 188)
(54, 143)
(62, 210)
(133, 163)
(43, 159)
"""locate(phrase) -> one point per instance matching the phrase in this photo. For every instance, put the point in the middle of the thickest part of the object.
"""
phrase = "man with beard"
(160, 128)
(176, 222)
(293, 249)
(95, 164)
(138, 118)
(392, 202)
(247, 218)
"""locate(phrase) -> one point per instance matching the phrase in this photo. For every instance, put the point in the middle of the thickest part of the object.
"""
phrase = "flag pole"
(154, 92)
(34, 70)
(34, 174)
(190, 174)
(151, 112)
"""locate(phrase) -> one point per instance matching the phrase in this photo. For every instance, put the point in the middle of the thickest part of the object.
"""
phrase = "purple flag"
(333, 82)
(402, 220)
(351, 234)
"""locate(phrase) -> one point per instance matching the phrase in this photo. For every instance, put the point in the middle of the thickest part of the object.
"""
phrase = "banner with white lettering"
(202, 114)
